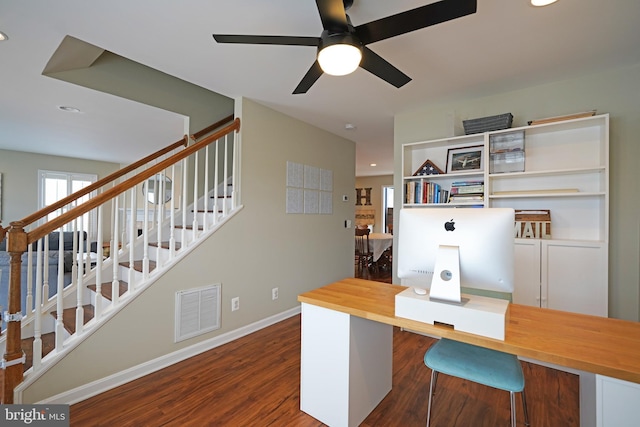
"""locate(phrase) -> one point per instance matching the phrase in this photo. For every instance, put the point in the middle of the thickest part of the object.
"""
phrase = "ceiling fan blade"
(332, 15)
(277, 40)
(309, 79)
(415, 19)
(378, 66)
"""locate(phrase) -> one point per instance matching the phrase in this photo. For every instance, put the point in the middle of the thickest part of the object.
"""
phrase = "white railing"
(130, 241)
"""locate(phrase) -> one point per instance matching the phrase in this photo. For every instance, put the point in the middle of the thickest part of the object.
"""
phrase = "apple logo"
(450, 225)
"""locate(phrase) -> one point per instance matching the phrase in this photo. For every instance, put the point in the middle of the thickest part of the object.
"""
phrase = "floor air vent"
(197, 311)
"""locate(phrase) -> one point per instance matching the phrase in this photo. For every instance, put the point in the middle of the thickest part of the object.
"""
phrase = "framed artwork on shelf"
(428, 168)
(465, 159)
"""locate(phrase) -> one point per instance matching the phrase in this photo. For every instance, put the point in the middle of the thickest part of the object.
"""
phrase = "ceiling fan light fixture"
(540, 3)
(339, 54)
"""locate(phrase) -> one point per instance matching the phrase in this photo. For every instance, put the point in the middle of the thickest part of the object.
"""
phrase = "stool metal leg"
(524, 408)
(513, 408)
(432, 390)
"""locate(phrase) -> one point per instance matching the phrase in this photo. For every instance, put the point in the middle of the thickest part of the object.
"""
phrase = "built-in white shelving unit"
(566, 170)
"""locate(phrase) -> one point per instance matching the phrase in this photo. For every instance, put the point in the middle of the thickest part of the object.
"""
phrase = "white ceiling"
(507, 44)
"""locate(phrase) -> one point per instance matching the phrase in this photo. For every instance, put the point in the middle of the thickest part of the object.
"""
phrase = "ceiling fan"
(340, 37)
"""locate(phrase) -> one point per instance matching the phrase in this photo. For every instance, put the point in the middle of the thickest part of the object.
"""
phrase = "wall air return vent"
(197, 311)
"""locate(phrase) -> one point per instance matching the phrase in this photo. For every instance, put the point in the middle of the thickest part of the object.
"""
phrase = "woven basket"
(488, 124)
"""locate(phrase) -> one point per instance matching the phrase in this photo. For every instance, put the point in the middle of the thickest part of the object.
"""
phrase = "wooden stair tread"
(165, 245)
(189, 227)
(48, 344)
(106, 289)
(69, 317)
(137, 265)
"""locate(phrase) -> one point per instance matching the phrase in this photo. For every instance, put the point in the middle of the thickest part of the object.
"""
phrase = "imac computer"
(444, 249)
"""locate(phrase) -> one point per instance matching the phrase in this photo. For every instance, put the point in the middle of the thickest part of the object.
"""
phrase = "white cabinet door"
(616, 402)
(574, 277)
(527, 272)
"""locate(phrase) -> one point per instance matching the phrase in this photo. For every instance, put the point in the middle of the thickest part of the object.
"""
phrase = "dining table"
(378, 243)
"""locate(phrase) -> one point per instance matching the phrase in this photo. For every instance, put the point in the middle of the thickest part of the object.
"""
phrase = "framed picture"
(428, 168)
(465, 159)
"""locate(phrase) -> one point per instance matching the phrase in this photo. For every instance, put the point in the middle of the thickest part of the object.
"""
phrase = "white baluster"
(79, 289)
(115, 255)
(205, 197)
(216, 180)
(234, 172)
(98, 297)
(29, 302)
(195, 196)
(133, 232)
(145, 237)
(184, 204)
(161, 201)
(59, 295)
(37, 325)
(45, 274)
(226, 176)
(172, 219)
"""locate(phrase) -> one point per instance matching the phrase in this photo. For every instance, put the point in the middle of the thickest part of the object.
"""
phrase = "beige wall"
(20, 179)
(262, 247)
(615, 92)
(375, 183)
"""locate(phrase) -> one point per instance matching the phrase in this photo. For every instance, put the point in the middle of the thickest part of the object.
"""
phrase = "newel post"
(13, 360)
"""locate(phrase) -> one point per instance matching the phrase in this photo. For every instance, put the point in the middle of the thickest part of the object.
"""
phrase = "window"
(54, 186)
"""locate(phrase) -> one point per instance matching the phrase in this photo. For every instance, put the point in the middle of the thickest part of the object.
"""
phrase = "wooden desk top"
(605, 346)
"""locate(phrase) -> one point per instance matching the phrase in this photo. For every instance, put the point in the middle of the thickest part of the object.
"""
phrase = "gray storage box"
(488, 124)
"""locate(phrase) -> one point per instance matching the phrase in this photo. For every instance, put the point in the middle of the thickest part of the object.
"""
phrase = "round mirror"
(157, 189)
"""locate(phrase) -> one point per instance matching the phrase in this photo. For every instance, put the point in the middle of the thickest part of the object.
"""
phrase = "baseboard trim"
(100, 386)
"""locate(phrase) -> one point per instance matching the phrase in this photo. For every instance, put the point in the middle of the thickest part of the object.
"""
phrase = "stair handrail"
(55, 223)
(18, 241)
(184, 141)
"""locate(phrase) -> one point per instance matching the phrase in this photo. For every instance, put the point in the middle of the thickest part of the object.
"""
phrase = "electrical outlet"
(274, 293)
(235, 303)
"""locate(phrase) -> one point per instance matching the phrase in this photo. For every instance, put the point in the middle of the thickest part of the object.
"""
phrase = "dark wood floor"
(254, 381)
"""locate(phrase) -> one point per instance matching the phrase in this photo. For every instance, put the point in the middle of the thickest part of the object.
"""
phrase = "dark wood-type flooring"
(255, 381)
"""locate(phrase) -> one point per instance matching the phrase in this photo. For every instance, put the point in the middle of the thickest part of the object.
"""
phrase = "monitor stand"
(445, 285)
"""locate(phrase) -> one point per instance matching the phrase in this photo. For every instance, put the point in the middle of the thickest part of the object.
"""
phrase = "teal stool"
(478, 364)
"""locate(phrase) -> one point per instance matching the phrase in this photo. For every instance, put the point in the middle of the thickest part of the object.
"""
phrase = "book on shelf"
(464, 183)
(466, 198)
(460, 189)
(422, 192)
(468, 189)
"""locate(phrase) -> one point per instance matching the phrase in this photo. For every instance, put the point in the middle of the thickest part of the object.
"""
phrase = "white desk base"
(346, 365)
(478, 315)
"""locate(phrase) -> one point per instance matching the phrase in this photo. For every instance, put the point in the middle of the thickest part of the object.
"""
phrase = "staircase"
(141, 242)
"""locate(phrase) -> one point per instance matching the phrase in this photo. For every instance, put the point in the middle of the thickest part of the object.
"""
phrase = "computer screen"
(479, 242)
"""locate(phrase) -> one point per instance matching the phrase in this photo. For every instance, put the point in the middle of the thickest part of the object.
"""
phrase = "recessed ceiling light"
(3, 36)
(373, 164)
(542, 2)
(69, 109)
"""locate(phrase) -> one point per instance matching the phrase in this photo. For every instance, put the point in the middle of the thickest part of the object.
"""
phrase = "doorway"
(387, 209)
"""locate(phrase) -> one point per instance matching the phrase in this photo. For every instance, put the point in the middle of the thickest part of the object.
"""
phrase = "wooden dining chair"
(363, 255)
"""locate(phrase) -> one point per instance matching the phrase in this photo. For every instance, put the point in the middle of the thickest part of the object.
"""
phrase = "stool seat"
(489, 367)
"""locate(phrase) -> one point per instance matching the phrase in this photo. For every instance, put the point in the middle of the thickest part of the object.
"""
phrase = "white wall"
(615, 92)
(260, 248)
(20, 179)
